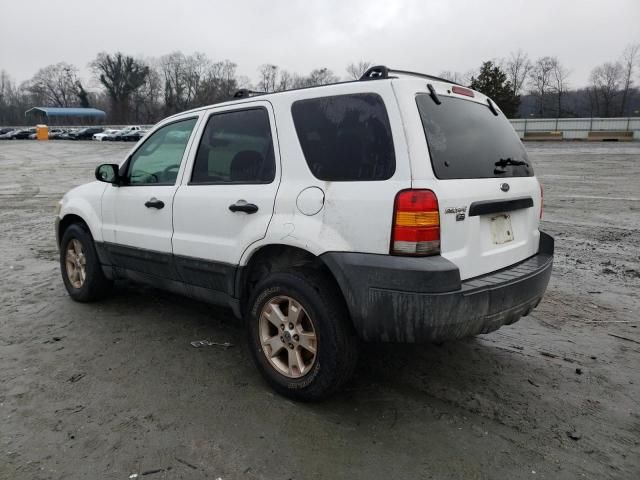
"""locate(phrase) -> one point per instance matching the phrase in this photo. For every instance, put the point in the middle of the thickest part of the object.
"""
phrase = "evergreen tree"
(492, 81)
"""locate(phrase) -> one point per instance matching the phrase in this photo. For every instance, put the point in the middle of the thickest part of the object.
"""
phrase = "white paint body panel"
(356, 216)
(468, 243)
(126, 219)
(204, 227)
(353, 216)
(85, 202)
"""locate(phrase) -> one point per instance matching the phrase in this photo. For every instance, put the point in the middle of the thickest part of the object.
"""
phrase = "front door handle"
(154, 203)
(243, 206)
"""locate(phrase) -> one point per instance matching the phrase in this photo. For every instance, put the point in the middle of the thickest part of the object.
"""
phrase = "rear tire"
(81, 270)
(315, 357)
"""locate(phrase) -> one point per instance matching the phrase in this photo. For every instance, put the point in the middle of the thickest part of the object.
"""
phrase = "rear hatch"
(488, 198)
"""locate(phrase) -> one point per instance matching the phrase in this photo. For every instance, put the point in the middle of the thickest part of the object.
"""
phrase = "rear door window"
(466, 140)
(236, 147)
(345, 137)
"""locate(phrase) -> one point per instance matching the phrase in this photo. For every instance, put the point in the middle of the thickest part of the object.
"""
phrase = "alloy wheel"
(288, 337)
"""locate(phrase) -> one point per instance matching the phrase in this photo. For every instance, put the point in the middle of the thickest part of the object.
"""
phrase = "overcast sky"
(424, 35)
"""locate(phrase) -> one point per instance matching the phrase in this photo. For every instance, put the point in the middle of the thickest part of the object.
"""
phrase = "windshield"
(466, 140)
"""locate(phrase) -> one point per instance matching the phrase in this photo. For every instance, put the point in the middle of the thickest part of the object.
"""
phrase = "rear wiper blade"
(503, 162)
(433, 94)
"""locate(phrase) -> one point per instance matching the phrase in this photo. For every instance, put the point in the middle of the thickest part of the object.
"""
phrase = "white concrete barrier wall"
(577, 128)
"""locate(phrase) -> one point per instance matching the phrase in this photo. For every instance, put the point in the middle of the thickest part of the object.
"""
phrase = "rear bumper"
(398, 299)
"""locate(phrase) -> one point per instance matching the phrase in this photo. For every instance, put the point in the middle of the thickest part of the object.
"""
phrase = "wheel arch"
(273, 258)
(68, 220)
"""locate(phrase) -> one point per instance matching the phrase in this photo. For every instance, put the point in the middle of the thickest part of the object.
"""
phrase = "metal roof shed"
(67, 114)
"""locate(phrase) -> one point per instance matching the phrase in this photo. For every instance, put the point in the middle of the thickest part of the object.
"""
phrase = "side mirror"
(108, 172)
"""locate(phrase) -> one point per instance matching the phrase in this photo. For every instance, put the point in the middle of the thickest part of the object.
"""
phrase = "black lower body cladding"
(401, 299)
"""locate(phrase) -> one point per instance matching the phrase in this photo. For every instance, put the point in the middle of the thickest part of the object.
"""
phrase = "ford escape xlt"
(398, 208)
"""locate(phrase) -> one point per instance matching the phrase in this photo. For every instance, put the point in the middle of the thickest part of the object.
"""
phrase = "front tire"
(300, 335)
(81, 270)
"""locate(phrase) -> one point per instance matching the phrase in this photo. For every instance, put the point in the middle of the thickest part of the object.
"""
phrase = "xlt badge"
(460, 212)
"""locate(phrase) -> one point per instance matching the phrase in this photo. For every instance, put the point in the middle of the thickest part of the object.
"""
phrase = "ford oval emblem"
(504, 187)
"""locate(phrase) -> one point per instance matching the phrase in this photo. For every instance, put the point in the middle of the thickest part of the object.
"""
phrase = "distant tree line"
(135, 90)
(524, 87)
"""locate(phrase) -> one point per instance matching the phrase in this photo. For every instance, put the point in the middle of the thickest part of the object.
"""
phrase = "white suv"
(398, 208)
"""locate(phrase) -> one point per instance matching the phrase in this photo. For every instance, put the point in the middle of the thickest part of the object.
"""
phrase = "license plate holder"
(501, 231)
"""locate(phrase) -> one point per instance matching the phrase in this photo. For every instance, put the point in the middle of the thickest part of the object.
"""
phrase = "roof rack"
(245, 93)
(380, 72)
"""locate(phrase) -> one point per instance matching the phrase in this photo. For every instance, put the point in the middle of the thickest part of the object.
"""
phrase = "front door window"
(158, 160)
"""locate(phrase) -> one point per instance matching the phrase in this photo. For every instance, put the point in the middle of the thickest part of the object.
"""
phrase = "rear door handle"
(154, 203)
(243, 206)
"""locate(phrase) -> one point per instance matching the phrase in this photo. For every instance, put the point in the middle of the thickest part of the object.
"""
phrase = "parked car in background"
(101, 136)
(85, 133)
(68, 134)
(133, 136)
(6, 133)
(19, 134)
(6, 130)
(54, 133)
(110, 137)
(117, 137)
(59, 134)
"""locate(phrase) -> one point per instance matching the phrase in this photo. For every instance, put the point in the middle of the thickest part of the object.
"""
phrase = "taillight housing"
(416, 224)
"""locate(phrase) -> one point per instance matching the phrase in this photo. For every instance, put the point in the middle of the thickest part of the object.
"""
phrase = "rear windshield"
(466, 140)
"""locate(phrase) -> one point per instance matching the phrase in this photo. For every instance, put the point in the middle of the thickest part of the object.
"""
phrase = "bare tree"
(221, 83)
(630, 58)
(275, 79)
(458, 77)
(286, 80)
(356, 70)
(173, 68)
(299, 81)
(268, 77)
(14, 100)
(197, 71)
(7, 99)
(147, 100)
(55, 85)
(452, 76)
(321, 76)
(540, 81)
(605, 87)
(6, 86)
(228, 82)
(559, 85)
(517, 67)
(121, 75)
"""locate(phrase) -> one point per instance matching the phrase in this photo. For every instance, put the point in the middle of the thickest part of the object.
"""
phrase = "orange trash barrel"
(42, 132)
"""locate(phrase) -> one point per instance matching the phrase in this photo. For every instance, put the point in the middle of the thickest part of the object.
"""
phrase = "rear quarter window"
(345, 137)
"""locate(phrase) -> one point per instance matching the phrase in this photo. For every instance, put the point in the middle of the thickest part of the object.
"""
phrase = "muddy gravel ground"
(113, 389)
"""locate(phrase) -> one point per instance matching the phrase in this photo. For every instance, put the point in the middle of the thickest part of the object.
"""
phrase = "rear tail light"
(541, 200)
(416, 224)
